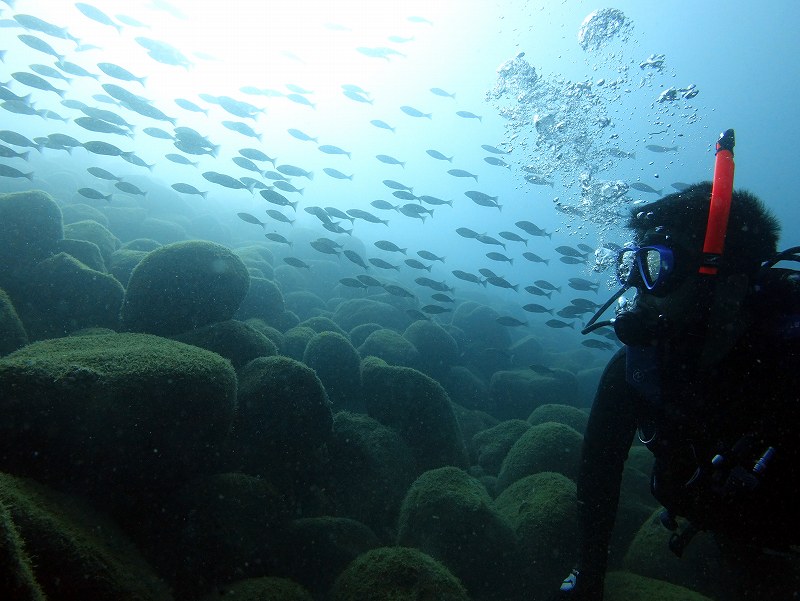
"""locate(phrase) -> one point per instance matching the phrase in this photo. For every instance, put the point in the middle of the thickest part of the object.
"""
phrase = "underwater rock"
(397, 573)
(338, 365)
(370, 471)
(92, 231)
(283, 420)
(76, 552)
(304, 304)
(700, 568)
(295, 341)
(12, 331)
(234, 340)
(390, 347)
(466, 389)
(563, 414)
(84, 251)
(257, 589)
(16, 569)
(218, 529)
(80, 212)
(515, 394)
(448, 514)
(357, 311)
(437, 349)
(418, 408)
(161, 230)
(153, 409)
(123, 262)
(320, 323)
(548, 447)
(491, 446)
(624, 586)
(65, 295)
(542, 509)
(274, 335)
(30, 225)
(183, 286)
(360, 333)
(329, 544)
(263, 301)
(143, 244)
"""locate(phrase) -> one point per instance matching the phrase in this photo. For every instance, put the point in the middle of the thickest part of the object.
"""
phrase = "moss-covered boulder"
(234, 340)
(304, 304)
(165, 232)
(80, 212)
(649, 555)
(480, 329)
(16, 568)
(314, 551)
(272, 333)
(12, 331)
(354, 312)
(183, 286)
(283, 421)
(399, 574)
(84, 251)
(543, 511)
(123, 262)
(65, 295)
(548, 447)
(30, 226)
(91, 231)
(217, 529)
(321, 323)
(449, 515)
(360, 333)
(516, 393)
(295, 341)
(466, 388)
(491, 446)
(141, 244)
(563, 414)
(259, 589)
(624, 586)
(263, 301)
(418, 408)
(390, 347)
(114, 411)
(438, 350)
(370, 471)
(76, 553)
(338, 365)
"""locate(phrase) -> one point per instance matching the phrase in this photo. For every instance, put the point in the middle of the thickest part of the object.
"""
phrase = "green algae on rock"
(183, 286)
(116, 410)
(399, 574)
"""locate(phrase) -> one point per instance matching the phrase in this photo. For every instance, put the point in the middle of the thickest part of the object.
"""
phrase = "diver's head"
(673, 299)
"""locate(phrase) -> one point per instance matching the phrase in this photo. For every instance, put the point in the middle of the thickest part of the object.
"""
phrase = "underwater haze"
(291, 293)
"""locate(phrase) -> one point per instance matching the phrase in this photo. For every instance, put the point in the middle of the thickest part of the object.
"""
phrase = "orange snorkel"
(718, 212)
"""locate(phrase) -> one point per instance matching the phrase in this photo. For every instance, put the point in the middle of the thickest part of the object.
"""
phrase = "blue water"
(740, 57)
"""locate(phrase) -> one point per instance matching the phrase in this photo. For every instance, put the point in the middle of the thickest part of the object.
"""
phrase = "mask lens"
(652, 266)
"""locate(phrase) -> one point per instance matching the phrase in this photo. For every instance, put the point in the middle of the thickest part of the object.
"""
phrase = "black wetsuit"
(749, 402)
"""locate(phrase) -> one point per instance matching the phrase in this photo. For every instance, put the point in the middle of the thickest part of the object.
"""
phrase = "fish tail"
(294, 205)
(141, 80)
(385, 222)
(547, 261)
(403, 250)
(511, 261)
(24, 155)
(515, 287)
(204, 195)
(108, 197)
(429, 116)
(29, 176)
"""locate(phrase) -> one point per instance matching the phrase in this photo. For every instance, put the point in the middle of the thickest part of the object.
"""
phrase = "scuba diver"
(709, 377)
